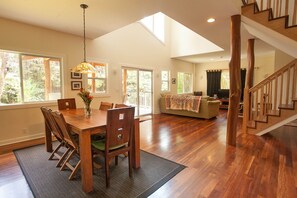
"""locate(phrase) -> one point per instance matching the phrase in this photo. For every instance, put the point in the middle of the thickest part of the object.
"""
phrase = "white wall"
(264, 66)
(282, 59)
(131, 46)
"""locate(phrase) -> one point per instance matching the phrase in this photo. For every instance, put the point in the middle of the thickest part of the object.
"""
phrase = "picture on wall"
(76, 75)
(76, 85)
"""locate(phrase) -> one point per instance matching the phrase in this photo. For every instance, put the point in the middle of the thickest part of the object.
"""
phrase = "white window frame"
(183, 85)
(92, 89)
(167, 81)
(21, 93)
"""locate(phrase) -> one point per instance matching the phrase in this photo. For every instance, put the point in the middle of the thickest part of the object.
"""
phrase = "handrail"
(272, 76)
(279, 89)
(279, 8)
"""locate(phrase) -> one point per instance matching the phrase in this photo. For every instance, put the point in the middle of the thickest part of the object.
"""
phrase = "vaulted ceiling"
(104, 16)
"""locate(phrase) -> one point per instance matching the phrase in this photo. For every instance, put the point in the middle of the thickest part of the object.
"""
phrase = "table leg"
(48, 139)
(86, 161)
(136, 145)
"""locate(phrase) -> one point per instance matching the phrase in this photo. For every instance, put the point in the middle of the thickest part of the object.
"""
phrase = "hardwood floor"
(263, 166)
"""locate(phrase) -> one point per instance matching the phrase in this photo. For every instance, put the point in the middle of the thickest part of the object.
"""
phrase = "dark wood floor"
(263, 166)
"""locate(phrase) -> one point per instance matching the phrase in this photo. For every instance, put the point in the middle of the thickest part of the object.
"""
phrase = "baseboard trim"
(19, 145)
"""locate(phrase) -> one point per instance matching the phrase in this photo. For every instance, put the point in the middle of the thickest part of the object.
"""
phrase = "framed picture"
(76, 75)
(76, 85)
(173, 80)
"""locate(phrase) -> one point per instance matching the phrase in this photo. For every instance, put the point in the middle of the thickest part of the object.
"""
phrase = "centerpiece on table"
(87, 98)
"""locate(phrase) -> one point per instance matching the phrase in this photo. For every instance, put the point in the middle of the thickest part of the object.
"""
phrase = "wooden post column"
(248, 84)
(235, 81)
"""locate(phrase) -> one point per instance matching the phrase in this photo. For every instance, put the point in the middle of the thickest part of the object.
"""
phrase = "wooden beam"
(248, 84)
(235, 81)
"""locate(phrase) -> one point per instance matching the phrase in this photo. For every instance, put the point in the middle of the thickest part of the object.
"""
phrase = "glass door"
(137, 89)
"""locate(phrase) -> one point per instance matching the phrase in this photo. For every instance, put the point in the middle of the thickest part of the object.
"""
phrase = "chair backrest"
(119, 126)
(120, 105)
(68, 137)
(105, 106)
(50, 123)
(66, 103)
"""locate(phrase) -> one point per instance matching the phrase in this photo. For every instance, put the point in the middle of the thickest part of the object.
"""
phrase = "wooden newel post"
(235, 81)
(248, 84)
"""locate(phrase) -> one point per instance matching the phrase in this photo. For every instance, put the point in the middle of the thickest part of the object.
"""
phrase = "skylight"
(155, 23)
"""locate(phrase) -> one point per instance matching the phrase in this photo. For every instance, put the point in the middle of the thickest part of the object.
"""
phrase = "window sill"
(27, 105)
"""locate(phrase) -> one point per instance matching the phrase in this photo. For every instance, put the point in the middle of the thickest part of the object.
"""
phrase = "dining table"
(85, 126)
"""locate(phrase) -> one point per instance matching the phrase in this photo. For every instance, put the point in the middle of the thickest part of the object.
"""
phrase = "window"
(97, 82)
(28, 78)
(165, 81)
(155, 23)
(225, 79)
(184, 83)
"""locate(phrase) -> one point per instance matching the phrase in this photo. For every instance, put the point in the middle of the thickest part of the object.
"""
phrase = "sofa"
(208, 108)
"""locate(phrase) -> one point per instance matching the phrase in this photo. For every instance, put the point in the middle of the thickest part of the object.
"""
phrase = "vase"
(88, 110)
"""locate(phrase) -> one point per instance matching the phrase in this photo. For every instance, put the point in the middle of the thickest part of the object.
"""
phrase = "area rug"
(45, 180)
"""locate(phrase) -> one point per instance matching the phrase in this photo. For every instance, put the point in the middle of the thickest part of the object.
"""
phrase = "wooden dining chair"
(71, 141)
(118, 139)
(105, 106)
(120, 105)
(52, 126)
(66, 103)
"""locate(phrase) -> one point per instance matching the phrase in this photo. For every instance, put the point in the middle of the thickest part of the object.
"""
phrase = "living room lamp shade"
(84, 67)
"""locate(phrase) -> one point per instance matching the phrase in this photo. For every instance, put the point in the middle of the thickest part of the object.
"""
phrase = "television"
(223, 93)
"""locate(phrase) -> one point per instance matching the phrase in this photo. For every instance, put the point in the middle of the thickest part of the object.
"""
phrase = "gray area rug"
(45, 180)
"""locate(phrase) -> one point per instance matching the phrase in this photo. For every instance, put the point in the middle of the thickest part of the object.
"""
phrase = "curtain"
(242, 76)
(213, 81)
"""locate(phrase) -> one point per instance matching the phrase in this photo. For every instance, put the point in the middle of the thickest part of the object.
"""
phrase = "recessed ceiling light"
(210, 20)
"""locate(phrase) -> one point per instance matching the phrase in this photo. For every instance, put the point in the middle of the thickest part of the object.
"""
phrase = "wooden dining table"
(85, 127)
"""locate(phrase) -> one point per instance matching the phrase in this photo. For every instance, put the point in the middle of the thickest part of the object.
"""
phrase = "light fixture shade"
(84, 68)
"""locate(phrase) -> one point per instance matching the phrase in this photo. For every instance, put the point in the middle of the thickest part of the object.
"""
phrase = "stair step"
(251, 124)
(261, 119)
(284, 106)
(273, 113)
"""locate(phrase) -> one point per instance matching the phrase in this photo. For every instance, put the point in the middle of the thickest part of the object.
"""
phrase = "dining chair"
(71, 141)
(118, 139)
(52, 126)
(120, 105)
(66, 103)
(105, 106)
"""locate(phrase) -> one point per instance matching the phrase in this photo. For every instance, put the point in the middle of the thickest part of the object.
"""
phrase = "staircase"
(273, 102)
(282, 20)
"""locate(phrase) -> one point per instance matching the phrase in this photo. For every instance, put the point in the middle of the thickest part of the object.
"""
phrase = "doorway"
(137, 89)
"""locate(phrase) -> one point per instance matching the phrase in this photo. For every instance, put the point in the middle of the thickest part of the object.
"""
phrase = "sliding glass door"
(137, 89)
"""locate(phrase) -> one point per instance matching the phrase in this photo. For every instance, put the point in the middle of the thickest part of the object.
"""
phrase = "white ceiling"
(104, 16)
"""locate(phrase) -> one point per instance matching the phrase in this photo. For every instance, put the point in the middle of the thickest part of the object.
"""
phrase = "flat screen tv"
(223, 93)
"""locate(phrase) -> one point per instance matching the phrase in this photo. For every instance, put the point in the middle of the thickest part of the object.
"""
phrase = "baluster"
(281, 87)
(257, 105)
(275, 93)
(294, 81)
(268, 4)
(288, 85)
(261, 5)
(294, 13)
(287, 7)
(277, 9)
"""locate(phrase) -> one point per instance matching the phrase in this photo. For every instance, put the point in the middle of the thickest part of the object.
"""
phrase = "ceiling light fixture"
(84, 67)
(211, 20)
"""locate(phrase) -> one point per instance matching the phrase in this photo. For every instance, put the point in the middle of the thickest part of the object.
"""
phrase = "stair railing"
(279, 8)
(265, 98)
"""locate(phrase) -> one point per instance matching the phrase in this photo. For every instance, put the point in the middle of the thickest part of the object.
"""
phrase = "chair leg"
(63, 157)
(107, 172)
(130, 163)
(74, 170)
(116, 160)
(68, 158)
(56, 149)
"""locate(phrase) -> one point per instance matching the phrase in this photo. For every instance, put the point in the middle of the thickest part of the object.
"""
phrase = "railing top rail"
(272, 76)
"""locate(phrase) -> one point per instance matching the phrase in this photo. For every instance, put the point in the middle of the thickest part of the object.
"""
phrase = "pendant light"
(84, 67)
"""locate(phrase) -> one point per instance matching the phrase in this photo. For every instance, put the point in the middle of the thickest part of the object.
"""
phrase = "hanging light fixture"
(84, 67)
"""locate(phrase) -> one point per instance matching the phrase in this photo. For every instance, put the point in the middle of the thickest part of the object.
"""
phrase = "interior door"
(137, 89)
